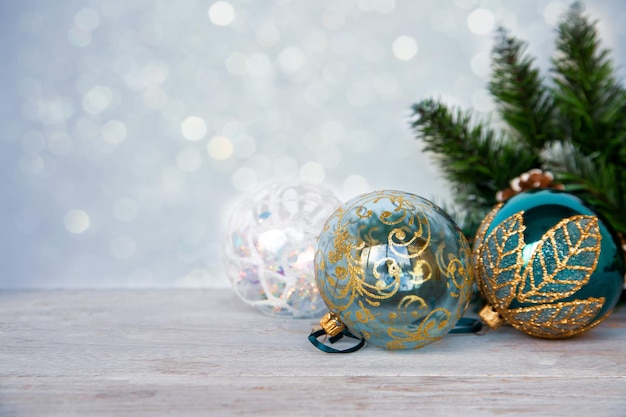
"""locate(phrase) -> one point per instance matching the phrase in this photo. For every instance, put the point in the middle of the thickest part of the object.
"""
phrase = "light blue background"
(107, 182)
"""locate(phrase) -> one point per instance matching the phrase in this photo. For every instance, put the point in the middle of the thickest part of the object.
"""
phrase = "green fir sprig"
(572, 123)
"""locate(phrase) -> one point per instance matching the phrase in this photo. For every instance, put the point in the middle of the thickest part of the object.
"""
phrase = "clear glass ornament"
(395, 269)
(270, 247)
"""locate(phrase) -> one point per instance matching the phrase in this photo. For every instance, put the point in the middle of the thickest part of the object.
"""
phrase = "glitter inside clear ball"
(270, 248)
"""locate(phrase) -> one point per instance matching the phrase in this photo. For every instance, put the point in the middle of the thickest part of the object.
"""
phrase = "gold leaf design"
(480, 235)
(484, 225)
(558, 320)
(500, 261)
(562, 261)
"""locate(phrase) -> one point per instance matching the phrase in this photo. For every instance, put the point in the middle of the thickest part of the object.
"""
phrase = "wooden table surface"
(205, 353)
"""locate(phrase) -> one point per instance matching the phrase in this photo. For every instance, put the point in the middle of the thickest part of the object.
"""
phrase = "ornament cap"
(331, 324)
(491, 317)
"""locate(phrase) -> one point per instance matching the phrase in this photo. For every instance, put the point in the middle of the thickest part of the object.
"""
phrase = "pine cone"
(535, 178)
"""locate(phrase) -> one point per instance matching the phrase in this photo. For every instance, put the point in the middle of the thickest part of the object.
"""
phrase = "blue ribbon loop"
(464, 325)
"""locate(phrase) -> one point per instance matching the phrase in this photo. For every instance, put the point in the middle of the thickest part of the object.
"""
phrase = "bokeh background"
(130, 128)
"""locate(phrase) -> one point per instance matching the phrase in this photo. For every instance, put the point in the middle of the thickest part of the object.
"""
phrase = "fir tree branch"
(575, 128)
(473, 159)
(592, 178)
(521, 98)
(590, 102)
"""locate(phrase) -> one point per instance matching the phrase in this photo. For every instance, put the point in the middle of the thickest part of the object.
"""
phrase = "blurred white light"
(59, 143)
(315, 41)
(359, 94)
(76, 221)
(245, 179)
(387, 85)
(481, 21)
(79, 37)
(361, 141)
(553, 11)
(481, 64)
(354, 185)
(155, 73)
(465, 4)
(152, 32)
(334, 72)
(125, 209)
(404, 48)
(220, 148)
(385, 6)
(221, 13)
(332, 131)
(193, 128)
(285, 167)
(189, 160)
(380, 6)
(123, 247)
(141, 277)
(86, 127)
(173, 179)
(245, 146)
(316, 94)
(258, 65)
(312, 172)
(114, 132)
(58, 109)
(267, 36)
(155, 98)
(291, 59)
(98, 99)
(482, 101)
(87, 19)
(236, 63)
(261, 164)
(333, 19)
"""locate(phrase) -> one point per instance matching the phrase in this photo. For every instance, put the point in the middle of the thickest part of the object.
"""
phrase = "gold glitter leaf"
(562, 261)
(480, 235)
(500, 261)
(556, 320)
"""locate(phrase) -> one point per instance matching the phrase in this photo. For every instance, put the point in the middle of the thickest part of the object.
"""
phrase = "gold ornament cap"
(331, 324)
(491, 317)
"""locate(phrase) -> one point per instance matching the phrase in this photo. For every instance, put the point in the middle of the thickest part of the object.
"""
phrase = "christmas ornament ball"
(394, 269)
(270, 245)
(547, 265)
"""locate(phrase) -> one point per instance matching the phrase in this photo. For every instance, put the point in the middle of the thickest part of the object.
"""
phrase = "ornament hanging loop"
(333, 327)
(491, 317)
(331, 324)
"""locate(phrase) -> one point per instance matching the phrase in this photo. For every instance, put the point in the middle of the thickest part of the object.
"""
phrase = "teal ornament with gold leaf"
(394, 269)
(547, 265)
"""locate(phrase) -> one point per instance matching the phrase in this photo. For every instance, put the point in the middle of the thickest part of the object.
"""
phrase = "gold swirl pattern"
(394, 268)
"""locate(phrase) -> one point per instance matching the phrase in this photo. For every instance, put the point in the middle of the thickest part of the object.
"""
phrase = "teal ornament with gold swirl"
(547, 265)
(394, 268)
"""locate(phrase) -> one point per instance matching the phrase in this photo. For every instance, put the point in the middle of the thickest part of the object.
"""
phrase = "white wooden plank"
(192, 352)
